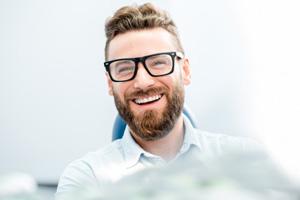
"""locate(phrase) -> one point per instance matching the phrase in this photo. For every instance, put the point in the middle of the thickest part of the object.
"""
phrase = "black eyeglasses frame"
(142, 60)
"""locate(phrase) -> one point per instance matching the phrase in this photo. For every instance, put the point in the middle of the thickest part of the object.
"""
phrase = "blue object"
(120, 124)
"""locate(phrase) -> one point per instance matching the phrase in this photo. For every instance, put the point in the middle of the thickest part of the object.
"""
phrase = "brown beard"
(150, 126)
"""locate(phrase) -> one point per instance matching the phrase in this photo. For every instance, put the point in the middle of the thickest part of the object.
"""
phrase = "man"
(146, 74)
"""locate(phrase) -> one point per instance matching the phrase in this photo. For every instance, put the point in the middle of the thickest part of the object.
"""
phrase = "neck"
(168, 146)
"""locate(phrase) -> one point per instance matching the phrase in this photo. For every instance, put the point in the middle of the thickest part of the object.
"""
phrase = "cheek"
(177, 74)
(120, 90)
(175, 79)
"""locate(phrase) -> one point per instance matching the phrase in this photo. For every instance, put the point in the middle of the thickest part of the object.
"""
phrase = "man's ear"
(186, 72)
(109, 84)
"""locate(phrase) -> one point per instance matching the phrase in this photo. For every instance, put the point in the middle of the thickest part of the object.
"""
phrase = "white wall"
(54, 105)
(271, 30)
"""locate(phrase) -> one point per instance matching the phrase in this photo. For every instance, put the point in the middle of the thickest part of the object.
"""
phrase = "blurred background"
(54, 104)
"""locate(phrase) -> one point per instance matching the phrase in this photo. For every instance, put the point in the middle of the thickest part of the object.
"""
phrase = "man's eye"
(158, 63)
(124, 69)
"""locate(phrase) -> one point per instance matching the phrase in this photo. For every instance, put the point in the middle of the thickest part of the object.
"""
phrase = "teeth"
(148, 99)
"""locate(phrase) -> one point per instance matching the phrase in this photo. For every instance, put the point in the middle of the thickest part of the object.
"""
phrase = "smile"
(147, 100)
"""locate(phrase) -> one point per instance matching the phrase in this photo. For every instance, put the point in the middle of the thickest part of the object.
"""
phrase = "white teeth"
(148, 99)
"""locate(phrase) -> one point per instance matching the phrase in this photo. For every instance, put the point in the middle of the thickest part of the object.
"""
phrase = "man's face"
(149, 105)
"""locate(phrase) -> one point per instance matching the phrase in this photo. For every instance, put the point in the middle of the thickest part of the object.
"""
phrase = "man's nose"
(143, 79)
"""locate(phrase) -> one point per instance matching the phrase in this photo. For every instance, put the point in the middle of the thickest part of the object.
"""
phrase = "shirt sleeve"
(77, 176)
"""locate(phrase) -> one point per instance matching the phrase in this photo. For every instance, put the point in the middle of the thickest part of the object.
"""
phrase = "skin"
(141, 43)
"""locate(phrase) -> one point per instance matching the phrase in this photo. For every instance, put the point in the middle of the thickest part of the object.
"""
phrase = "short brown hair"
(146, 16)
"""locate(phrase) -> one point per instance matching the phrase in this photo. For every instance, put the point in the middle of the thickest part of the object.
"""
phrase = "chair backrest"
(120, 124)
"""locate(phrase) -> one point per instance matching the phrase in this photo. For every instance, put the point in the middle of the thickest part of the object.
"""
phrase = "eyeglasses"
(125, 69)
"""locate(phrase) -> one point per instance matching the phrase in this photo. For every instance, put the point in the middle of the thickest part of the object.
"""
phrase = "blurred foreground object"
(233, 176)
(15, 185)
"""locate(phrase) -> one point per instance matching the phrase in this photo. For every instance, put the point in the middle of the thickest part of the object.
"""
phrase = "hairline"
(175, 40)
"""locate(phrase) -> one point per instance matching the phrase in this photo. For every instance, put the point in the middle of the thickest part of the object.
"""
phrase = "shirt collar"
(190, 136)
(133, 151)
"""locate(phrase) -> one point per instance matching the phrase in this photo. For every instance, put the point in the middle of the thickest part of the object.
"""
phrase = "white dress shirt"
(124, 156)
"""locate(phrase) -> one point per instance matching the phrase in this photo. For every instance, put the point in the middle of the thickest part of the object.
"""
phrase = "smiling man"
(147, 72)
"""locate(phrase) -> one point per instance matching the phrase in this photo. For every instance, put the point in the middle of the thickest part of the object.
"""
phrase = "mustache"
(149, 92)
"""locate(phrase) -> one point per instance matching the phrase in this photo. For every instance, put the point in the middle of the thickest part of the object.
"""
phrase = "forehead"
(141, 43)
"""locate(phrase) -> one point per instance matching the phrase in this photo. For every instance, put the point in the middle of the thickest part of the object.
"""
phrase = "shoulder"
(91, 170)
(222, 143)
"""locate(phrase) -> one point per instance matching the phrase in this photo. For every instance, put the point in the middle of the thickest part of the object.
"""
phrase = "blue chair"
(120, 124)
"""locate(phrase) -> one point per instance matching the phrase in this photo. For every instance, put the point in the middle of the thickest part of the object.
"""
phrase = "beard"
(151, 125)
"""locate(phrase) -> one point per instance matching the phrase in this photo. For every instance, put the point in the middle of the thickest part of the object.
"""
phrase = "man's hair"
(132, 18)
